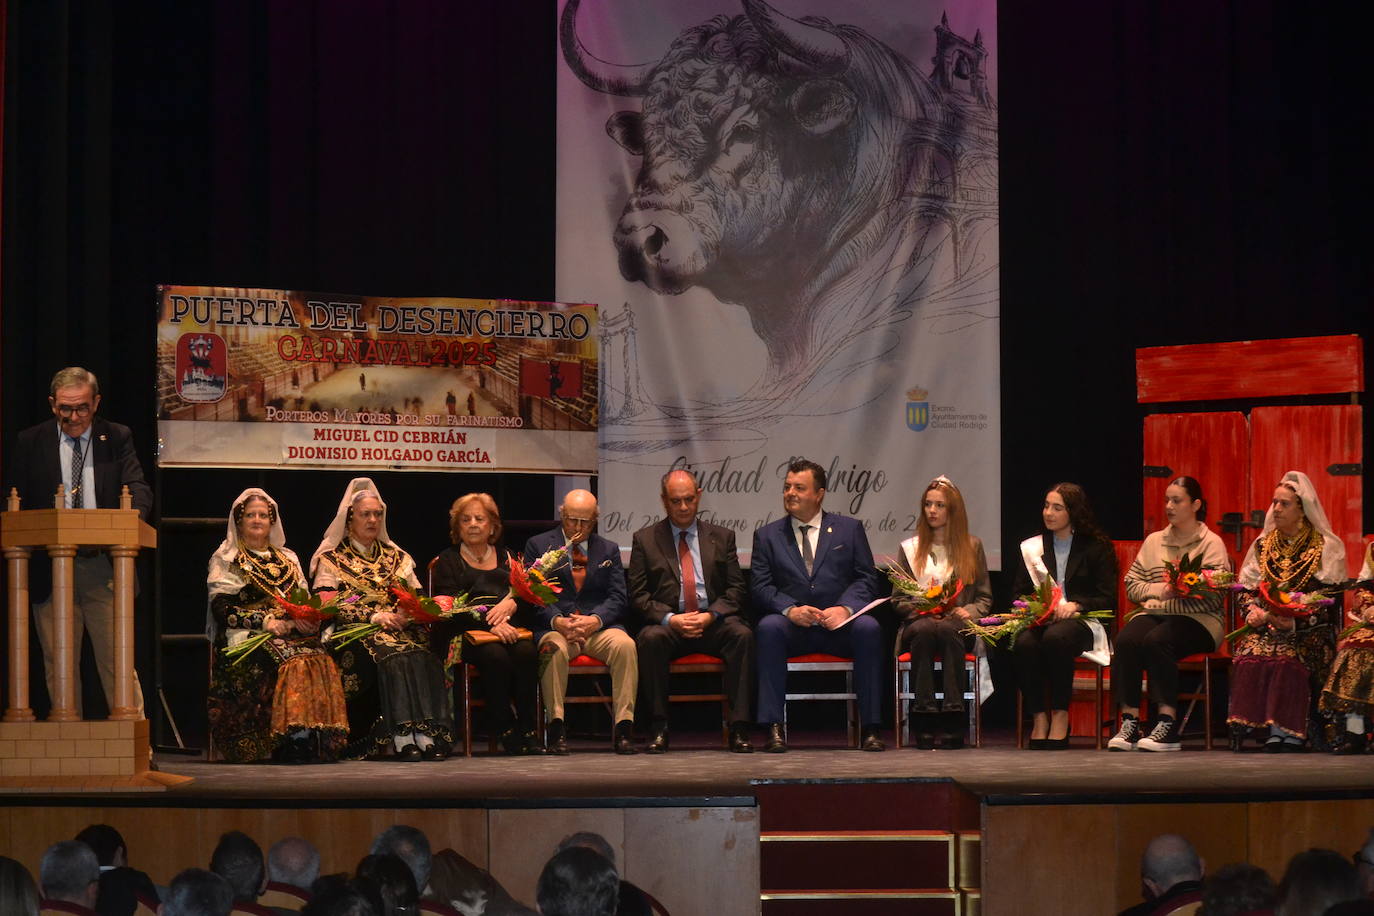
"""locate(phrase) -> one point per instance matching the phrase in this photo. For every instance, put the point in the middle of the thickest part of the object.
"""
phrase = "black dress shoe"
(950, 741)
(739, 740)
(870, 740)
(925, 741)
(658, 744)
(776, 743)
(530, 746)
(557, 739)
(408, 754)
(624, 739)
(1057, 744)
(439, 750)
(1039, 744)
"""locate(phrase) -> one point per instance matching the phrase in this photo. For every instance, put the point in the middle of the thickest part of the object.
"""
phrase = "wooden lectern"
(65, 752)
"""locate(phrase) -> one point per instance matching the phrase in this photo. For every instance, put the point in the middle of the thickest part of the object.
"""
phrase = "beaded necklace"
(1290, 562)
(272, 573)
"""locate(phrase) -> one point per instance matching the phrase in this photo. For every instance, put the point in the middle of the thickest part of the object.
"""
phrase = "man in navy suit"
(95, 460)
(811, 571)
(587, 619)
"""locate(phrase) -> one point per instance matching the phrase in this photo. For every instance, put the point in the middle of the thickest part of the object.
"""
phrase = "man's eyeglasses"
(578, 522)
(73, 410)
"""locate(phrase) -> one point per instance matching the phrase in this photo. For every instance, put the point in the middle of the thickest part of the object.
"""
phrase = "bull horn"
(603, 76)
(815, 47)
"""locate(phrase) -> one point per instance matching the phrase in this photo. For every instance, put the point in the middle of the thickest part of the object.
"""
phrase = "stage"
(913, 831)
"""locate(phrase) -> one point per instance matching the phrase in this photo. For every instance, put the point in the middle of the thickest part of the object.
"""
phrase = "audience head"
(1315, 881)
(70, 872)
(349, 898)
(409, 845)
(1169, 860)
(293, 861)
(106, 843)
(578, 882)
(18, 893)
(1364, 858)
(197, 892)
(394, 880)
(1236, 889)
(588, 840)
(461, 884)
(238, 860)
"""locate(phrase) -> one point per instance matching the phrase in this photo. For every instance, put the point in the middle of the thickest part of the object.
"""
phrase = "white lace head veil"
(229, 547)
(1333, 549)
(358, 488)
(223, 578)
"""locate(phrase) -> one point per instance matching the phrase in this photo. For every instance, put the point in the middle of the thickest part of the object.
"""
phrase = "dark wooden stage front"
(810, 830)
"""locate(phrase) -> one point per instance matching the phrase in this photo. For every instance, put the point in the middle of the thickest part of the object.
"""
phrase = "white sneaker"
(1126, 738)
(1163, 737)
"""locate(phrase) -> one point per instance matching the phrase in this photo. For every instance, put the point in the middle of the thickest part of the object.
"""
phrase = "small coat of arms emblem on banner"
(917, 409)
(201, 367)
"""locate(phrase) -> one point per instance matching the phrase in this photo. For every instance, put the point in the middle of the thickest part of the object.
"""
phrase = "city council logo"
(917, 409)
(201, 367)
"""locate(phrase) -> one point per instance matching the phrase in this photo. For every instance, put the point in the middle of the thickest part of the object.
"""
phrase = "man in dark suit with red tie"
(686, 583)
(812, 571)
(95, 460)
(587, 619)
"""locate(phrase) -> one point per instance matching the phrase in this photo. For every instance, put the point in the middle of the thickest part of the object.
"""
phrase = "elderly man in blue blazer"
(812, 571)
(587, 619)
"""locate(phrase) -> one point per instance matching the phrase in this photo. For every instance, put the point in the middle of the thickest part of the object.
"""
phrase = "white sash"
(1033, 555)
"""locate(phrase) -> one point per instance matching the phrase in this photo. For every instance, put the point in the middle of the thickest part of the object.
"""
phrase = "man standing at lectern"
(94, 459)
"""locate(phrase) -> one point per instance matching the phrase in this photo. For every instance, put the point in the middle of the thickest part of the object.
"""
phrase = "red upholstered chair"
(701, 663)
(901, 680)
(817, 663)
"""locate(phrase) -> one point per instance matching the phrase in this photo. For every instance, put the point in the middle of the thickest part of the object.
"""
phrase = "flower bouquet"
(1363, 616)
(299, 604)
(533, 584)
(1189, 580)
(1290, 605)
(419, 608)
(1027, 612)
(935, 598)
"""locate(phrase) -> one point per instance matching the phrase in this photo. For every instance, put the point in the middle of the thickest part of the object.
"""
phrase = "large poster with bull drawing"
(788, 214)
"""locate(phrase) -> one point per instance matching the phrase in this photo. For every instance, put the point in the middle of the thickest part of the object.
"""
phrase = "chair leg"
(1207, 703)
(898, 719)
(467, 710)
(1097, 711)
(1020, 726)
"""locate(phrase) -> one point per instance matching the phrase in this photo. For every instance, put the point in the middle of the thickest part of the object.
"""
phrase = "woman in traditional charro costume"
(283, 700)
(1283, 661)
(398, 704)
(1348, 697)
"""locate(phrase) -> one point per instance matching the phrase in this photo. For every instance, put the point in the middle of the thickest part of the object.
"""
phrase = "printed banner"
(789, 214)
(274, 378)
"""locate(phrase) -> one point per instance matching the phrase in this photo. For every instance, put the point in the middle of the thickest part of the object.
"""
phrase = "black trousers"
(1044, 658)
(1154, 643)
(510, 671)
(928, 637)
(728, 638)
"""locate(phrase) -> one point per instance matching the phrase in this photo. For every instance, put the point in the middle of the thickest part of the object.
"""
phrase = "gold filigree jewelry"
(273, 573)
(1290, 563)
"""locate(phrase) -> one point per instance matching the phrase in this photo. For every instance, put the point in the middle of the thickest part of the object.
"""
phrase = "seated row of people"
(381, 690)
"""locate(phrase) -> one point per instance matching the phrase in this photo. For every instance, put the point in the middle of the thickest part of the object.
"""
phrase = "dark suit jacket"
(603, 591)
(842, 572)
(36, 470)
(1089, 578)
(655, 578)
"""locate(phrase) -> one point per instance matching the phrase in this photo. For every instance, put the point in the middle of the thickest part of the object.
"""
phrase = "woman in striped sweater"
(1164, 626)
